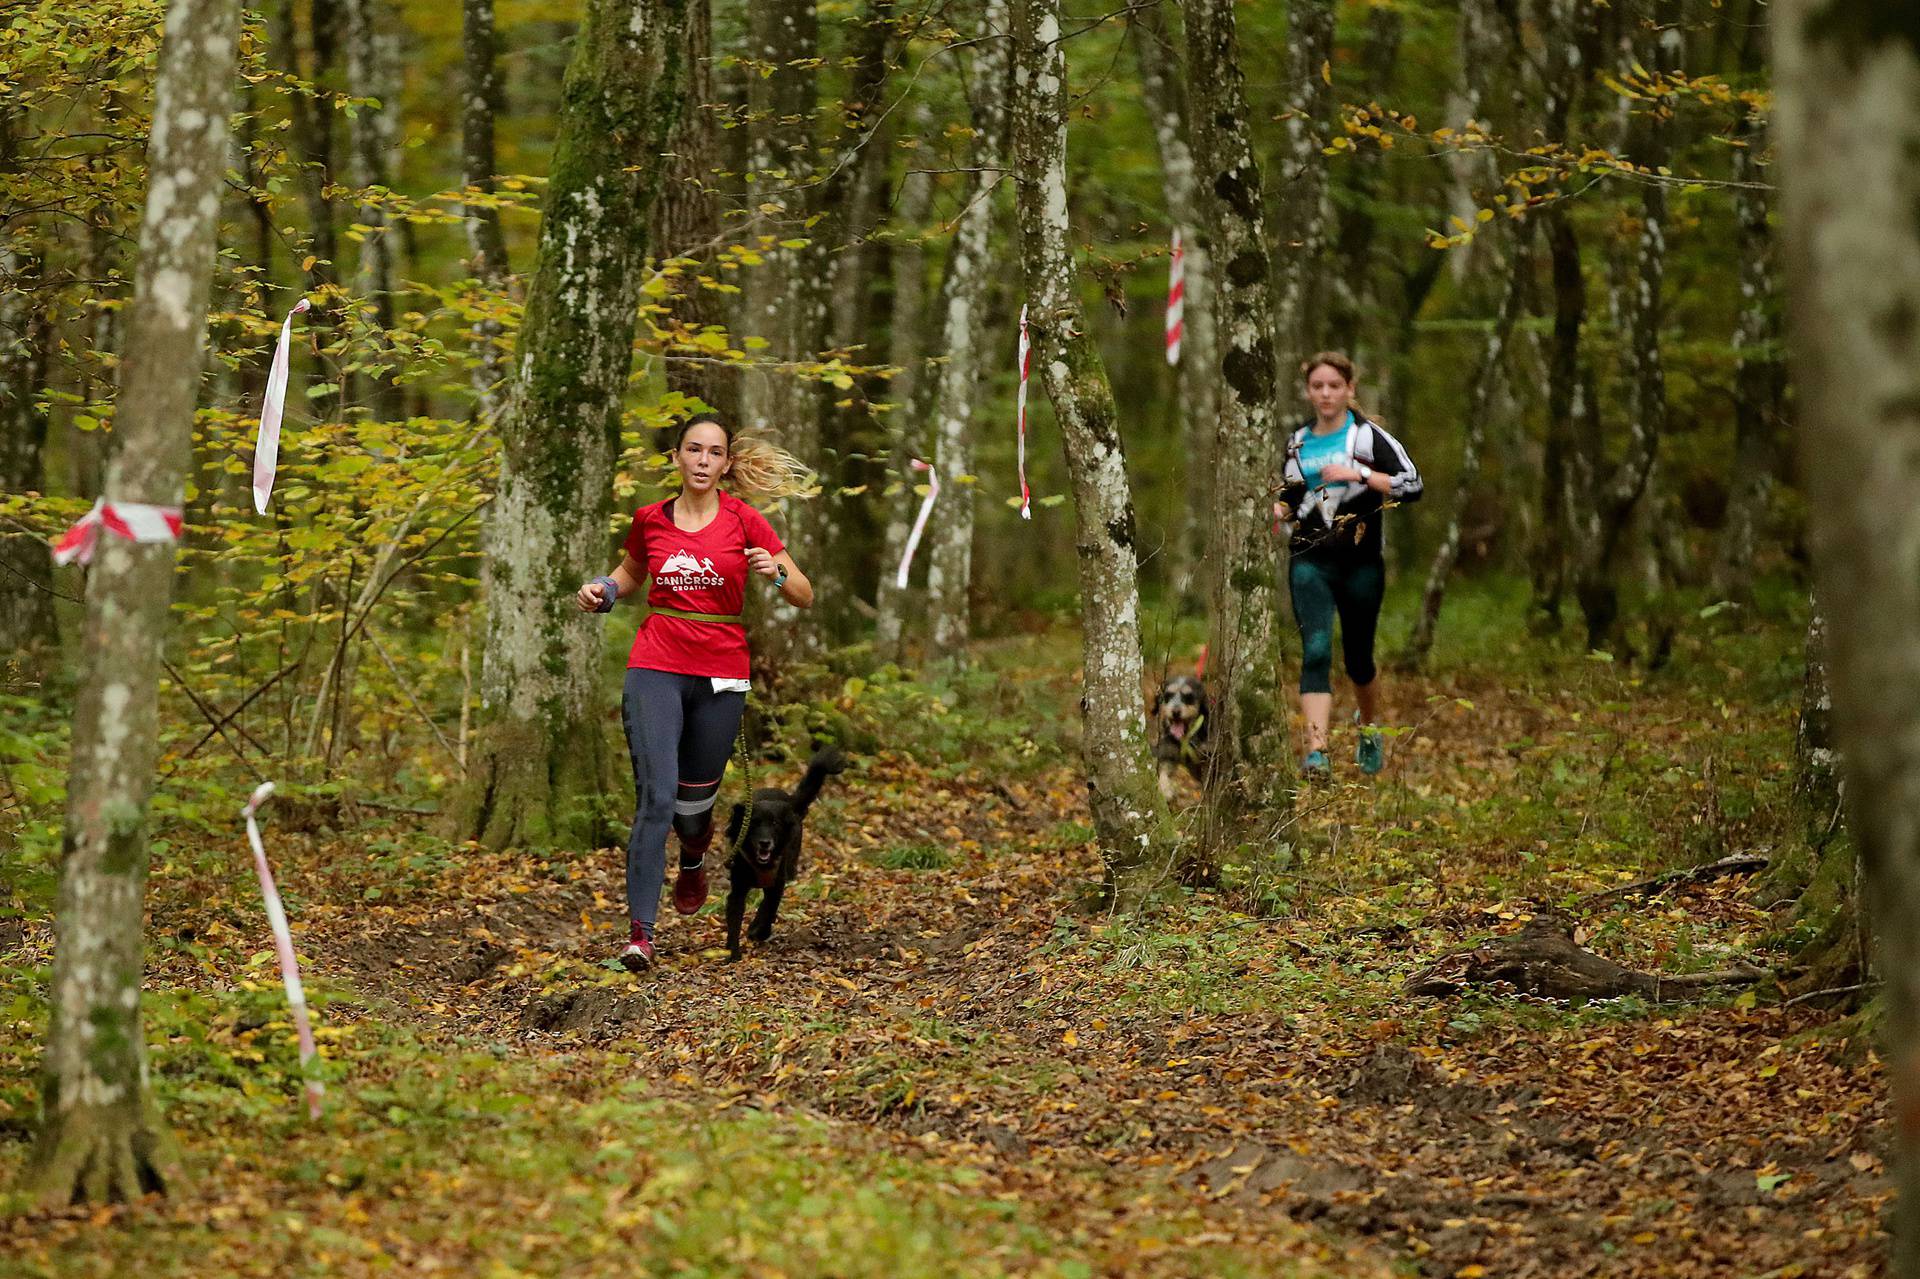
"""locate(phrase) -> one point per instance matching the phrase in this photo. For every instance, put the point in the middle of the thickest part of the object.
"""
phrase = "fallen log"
(1543, 959)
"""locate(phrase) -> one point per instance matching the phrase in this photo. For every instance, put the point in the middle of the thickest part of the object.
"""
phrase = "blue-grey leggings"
(679, 733)
(1322, 587)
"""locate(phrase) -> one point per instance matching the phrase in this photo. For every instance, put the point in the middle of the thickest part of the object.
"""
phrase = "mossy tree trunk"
(100, 1138)
(1244, 645)
(1847, 112)
(906, 351)
(540, 766)
(1130, 819)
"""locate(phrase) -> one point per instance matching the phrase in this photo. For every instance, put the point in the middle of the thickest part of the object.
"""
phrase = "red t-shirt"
(703, 572)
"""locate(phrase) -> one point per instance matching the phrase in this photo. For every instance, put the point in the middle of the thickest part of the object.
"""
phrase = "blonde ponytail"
(762, 471)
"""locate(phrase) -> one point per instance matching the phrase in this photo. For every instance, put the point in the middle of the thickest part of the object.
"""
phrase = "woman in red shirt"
(686, 683)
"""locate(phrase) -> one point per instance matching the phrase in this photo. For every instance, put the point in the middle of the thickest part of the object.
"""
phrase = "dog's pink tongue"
(1178, 728)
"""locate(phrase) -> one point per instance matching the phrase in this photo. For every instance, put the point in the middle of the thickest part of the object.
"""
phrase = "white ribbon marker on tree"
(919, 521)
(1026, 366)
(266, 448)
(132, 520)
(283, 943)
(1176, 298)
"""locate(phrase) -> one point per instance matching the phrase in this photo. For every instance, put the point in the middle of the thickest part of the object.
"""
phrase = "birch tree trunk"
(539, 768)
(907, 353)
(1129, 817)
(1847, 112)
(100, 1137)
(486, 242)
(1244, 645)
(963, 297)
(1197, 377)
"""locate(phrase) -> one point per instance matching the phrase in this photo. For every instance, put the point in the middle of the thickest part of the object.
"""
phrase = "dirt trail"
(1274, 1074)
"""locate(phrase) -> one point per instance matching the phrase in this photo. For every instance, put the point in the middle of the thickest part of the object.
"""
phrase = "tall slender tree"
(1847, 113)
(486, 241)
(1130, 819)
(540, 764)
(1197, 377)
(1300, 203)
(26, 337)
(1599, 496)
(1759, 373)
(787, 295)
(1244, 663)
(100, 1137)
(906, 351)
(963, 305)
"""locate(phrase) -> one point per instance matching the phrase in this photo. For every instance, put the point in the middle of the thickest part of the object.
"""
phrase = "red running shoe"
(690, 888)
(638, 956)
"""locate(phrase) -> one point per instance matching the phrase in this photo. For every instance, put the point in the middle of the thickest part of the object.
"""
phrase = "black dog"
(1181, 711)
(768, 855)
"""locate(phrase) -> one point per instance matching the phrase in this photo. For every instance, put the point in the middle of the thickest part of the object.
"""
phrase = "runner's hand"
(590, 597)
(1338, 473)
(760, 560)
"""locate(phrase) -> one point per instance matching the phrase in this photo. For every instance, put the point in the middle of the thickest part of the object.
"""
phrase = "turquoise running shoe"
(1371, 753)
(1316, 767)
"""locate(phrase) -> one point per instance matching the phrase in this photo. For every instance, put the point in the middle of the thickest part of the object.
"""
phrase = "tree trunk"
(907, 352)
(486, 241)
(1249, 729)
(1300, 208)
(1847, 111)
(540, 766)
(1759, 376)
(26, 336)
(1483, 393)
(100, 1137)
(1197, 378)
(686, 218)
(373, 72)
(963, 294)
(1474, 173)
(1130, 819)
(1600, 499)
(788, 293)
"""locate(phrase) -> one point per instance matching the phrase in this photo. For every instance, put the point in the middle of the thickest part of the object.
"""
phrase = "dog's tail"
(825, 763)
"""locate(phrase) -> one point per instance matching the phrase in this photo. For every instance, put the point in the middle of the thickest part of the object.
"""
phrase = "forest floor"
(949, 1061)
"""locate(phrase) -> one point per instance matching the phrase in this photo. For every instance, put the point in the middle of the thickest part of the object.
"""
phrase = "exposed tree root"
(1543, 959)
(93, 1157)
(1735, 864)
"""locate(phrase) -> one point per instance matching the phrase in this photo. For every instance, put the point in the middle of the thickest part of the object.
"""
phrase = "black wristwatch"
(781, 580)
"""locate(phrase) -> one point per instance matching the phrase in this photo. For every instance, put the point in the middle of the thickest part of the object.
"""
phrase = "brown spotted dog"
(1181, 711)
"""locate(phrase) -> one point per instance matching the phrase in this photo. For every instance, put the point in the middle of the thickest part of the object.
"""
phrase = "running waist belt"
(723, 619)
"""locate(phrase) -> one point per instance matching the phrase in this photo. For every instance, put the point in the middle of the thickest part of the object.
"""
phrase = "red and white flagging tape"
(1176, 298)
(134, 521)
(266, 447)
(1026, 366)
(283, 943)
(919, 521)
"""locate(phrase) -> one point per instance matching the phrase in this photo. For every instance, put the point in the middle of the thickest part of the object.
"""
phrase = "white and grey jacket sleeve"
(1391, 459)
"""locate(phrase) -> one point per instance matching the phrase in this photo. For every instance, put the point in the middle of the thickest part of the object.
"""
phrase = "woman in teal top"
(1342, 470)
